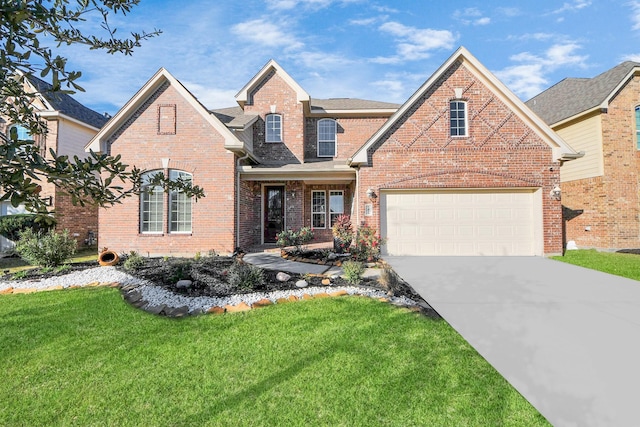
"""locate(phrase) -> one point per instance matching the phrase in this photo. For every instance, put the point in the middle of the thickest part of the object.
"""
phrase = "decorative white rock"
(282, 277)
(302, 284)
(182, 284)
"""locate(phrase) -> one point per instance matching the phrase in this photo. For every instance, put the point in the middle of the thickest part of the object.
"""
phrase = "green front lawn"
(625, 265)
(84, 357)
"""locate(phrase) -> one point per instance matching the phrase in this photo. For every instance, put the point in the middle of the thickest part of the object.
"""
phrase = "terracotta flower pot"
(108, 258)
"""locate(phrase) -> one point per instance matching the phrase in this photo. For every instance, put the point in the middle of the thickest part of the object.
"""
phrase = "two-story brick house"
(463, 164)
(70, 126)
(601, 191)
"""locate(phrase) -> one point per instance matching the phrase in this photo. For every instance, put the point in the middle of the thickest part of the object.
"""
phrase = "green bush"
(12, 225)
(367, 245)
(353, 271)
(294, 238)
(134, 261)
(49, 249)
(244, 276)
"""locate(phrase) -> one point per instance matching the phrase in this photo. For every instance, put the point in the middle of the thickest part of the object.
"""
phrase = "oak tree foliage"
(30, 33)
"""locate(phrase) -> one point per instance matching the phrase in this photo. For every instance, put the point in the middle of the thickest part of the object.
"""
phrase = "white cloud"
(572, 7)
(414, 43)
(312, 4)
(471, 16)
(635, 17)
(366, 21)
(635, 57)
(266, 33)
(528, 78)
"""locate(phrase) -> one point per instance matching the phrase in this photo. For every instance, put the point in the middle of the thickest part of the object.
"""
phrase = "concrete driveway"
(567, 338)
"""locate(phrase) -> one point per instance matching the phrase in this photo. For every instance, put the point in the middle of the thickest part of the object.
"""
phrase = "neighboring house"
(283, 160)
(600, 192)
(70, 127)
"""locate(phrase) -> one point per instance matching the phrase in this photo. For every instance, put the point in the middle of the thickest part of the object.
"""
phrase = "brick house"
(599, 116)
(70, 127)
(283, 160)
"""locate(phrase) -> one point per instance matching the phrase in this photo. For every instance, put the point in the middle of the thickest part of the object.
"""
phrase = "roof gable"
(162, 76)
(245, 93)
(561, 149)
(574, 96)
(64, 104)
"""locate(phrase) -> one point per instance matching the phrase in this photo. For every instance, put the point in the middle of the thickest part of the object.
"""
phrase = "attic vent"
(167, 119)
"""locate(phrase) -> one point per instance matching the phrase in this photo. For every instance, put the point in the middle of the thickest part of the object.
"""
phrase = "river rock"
(302, 284)
(183, 284)
(282, 277)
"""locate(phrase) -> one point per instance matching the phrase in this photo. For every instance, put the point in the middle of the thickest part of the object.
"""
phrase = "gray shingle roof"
(350, 104)
(65, 104)
(572, 96)
(233, 117)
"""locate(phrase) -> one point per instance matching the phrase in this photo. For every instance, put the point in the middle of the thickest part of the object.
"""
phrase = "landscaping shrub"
(134, 261)
(353, 271)
(367, 245)
(294, 238)
(49, 249)
(12, 225)
(245, 276)
(342, 233)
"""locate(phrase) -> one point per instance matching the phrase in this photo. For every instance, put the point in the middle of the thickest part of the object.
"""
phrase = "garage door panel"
(461, 223)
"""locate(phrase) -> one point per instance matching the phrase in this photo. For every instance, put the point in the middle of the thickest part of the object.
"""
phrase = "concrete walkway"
(567, 338)
(273, 261)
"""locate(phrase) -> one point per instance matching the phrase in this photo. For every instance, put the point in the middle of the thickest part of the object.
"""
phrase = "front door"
(273, 212)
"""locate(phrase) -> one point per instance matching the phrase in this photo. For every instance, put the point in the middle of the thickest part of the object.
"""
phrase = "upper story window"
(327, 131)
(458, 118)
(273, 125)
(19, 133)
(638, 127)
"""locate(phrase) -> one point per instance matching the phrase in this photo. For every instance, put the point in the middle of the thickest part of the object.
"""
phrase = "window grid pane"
(318, 209)
(180, 206)
(638, 127)
(336, 205)
(457, 119)
(273, 125)
(327, 138)
(151, 215)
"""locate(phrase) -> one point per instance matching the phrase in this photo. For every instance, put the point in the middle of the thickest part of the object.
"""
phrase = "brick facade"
(195, 148)
(610, 203)
(501, 151)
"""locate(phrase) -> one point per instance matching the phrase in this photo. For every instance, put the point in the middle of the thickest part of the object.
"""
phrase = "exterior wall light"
(371, 194)
(555, 193)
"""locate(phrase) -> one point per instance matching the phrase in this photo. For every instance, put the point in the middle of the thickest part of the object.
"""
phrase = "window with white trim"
(151, 202)
(327, 131)
(638, 127)
(318, 209)
(152, 208)
(458, 117)
(19, 133)
(336, 205)
(179, 205)
(273, 127)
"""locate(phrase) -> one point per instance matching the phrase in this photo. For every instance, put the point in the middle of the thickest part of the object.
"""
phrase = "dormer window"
(273, 128)
(327, 131)
(458, 118)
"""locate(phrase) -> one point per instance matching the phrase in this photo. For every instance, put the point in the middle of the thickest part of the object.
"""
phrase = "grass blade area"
(620, 264)
(84, 357)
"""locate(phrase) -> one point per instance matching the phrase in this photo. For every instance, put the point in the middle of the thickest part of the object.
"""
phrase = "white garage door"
(491, 222)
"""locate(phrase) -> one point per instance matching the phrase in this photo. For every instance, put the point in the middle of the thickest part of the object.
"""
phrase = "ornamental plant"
(367, 244)
(294, 238)
(342, 233)
(49, 249)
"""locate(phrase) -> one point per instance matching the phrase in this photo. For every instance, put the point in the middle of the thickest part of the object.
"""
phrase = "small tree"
(294, 238)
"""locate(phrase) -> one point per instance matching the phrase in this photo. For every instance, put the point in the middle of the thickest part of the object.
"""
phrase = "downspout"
(238, 198)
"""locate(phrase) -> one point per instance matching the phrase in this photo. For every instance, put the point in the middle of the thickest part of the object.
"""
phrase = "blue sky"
(380, 50)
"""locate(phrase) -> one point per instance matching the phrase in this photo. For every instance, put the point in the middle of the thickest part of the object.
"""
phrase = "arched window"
(273, 127)
(458, 118)
(19, 133)
(327, 132)
(151, 201)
